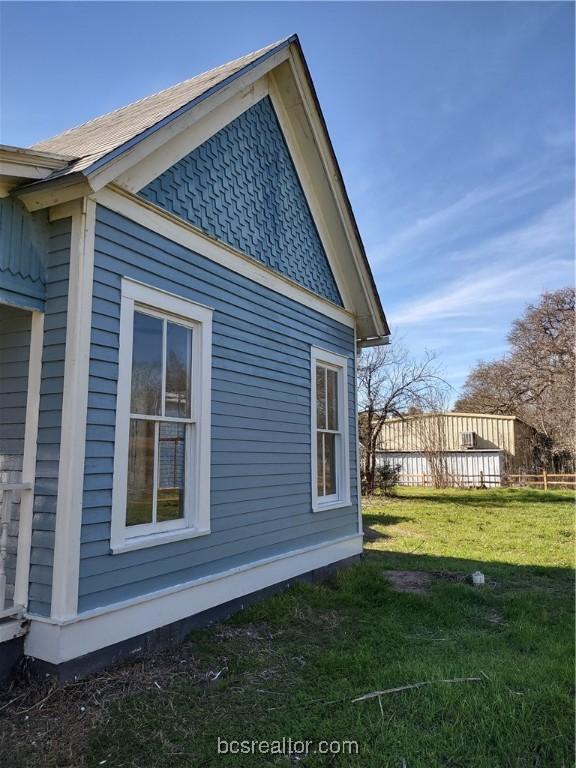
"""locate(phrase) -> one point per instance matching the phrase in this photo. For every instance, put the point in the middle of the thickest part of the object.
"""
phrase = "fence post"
(545, 479)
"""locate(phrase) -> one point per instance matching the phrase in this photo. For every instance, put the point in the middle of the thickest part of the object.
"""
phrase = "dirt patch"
(418, 582)
(409, 581)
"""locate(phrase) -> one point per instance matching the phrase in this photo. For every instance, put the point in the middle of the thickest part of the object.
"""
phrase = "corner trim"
(65, 574)
(60, 641)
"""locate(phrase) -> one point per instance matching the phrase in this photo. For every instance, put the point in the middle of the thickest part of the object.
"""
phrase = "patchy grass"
(292, 665)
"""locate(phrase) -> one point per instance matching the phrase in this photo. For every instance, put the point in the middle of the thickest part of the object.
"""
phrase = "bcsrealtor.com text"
(287, 746)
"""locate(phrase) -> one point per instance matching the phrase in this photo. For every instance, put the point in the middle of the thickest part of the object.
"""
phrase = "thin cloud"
(522, 261)
(466, 209)
(549, 233)
(467, 297)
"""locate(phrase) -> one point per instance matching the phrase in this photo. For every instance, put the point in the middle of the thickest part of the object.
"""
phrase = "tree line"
(534, 380)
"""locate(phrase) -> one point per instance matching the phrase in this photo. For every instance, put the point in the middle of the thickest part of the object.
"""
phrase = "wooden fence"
(545, 480)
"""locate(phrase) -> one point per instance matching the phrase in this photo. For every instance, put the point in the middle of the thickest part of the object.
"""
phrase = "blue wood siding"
(241, 187)
(23, 253)
(15, 325)
(50, 417)
(260, 452)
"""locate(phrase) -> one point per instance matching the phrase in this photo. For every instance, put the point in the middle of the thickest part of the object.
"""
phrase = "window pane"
(320, 463)
(171, 458)
(178, 366)
(330, 464)
(320, 397)
(140, 472)
(332, 398)
(146, 364)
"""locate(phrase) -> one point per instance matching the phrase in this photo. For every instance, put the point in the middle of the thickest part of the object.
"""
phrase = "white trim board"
(357, 438)
(11, 629)
(65, 573)
(321, 205)
(115, 168)
(320, 356)
(168, 154)
(57, 642)
(179, 231)
(196, 520)
(306, 111)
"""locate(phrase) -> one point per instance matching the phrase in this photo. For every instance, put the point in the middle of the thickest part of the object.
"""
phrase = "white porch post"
(29, 460)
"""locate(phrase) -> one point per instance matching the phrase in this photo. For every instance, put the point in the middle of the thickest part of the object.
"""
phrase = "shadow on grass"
(498, 574)
(475, 497)
(374, 534)
(384, 519)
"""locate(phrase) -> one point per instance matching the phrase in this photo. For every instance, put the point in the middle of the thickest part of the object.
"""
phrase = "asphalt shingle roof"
(94, 140)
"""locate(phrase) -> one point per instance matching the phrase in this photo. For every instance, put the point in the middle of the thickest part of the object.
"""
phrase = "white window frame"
(341, 498)
(196, 521)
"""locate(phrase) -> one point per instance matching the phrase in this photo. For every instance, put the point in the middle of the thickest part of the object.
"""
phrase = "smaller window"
(330, 450)
(162, 453)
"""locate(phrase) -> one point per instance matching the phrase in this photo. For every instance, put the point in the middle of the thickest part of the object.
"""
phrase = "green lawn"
(291, 666)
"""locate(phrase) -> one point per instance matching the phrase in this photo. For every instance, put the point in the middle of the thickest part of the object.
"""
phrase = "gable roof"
(97, 144)
(98, 140)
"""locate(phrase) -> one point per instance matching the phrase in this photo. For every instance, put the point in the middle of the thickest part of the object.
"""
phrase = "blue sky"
(453, 124)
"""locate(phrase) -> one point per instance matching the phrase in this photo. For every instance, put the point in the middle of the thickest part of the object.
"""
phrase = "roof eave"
(20, 165)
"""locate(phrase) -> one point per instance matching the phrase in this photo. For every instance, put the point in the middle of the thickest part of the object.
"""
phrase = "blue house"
(183, 292)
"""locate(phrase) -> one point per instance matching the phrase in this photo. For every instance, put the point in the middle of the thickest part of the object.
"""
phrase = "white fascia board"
(317, 202)
(298, 72)
(179, 231)
(59, 641)
(19, 165)
(188, 139)
(23, 171)
(36, 197)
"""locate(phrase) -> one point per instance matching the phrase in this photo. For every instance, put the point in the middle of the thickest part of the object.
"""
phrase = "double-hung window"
(162, 450)
(330, 449)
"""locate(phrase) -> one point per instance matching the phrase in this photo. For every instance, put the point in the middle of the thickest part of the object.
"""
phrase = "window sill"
(319, 507)
(155, 539)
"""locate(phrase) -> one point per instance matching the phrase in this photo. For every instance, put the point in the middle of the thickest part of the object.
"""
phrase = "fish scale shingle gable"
(241, 187)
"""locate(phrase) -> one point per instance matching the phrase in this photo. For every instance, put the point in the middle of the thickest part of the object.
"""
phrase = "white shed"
(468, 468)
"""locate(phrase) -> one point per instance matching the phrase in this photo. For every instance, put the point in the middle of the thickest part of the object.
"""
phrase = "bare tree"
(392, 383)
(433, 440)
(536, 379)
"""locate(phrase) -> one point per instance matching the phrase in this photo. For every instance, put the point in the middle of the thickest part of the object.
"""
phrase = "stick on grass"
(375, 694)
